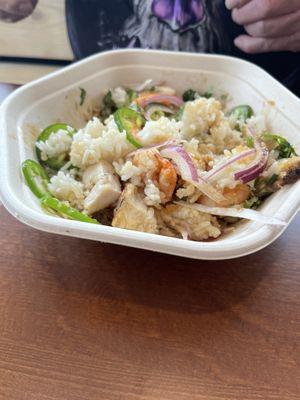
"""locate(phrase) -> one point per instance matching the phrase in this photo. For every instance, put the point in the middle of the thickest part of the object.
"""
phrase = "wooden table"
(81, 320)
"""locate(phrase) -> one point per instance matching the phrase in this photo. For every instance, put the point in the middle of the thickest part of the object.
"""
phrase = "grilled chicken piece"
(280, 173)
(288, 171)
(104, 186)
(133, 214)
(189, 223)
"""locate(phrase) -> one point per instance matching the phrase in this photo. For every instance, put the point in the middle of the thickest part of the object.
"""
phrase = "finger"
(254, 45)
(7, 5)
(231, 4)
(17, 6)
(257, 10)
(275, 27)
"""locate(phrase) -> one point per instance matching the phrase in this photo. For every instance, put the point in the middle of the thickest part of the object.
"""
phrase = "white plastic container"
(49, 99)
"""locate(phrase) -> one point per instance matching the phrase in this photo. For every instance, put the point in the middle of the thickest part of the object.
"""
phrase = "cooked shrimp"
(234, 196)
(159, 170)
(143, 96)
(166, 177)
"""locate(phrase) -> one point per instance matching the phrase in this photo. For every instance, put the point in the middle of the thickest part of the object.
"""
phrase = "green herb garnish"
(250, 142)
(132, 95)
(273, 179)
(279, 143)
(82, 96)
(109, 106)
(208, 94)
(254, 202)
(178, 115)
(190, 95)
(108, 101)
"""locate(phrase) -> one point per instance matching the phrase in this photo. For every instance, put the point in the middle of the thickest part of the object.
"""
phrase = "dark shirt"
(181, 25)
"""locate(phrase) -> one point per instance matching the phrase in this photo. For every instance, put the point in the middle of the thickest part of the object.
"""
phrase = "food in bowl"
(158, 162)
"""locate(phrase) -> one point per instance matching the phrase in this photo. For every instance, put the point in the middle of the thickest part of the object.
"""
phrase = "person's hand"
(15, 10)
(272, 25)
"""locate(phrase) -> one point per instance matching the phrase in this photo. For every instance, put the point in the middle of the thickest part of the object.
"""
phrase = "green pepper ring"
(51, 204)
(242, 112)
(36, 178)
(54, 163)
(130, 121)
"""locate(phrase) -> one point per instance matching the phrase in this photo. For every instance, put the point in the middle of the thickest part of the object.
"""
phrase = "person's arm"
(271, 25)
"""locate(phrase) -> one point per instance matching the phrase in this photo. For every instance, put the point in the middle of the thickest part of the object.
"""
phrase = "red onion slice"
(185, 235)
(215, 171)
(189, 173)
(182, 159)
(258, 165)
(159, 99)
(234, 212)
(252, 172)
(155, 108)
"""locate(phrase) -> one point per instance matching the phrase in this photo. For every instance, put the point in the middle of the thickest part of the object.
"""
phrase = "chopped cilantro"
(224, 97)
(190, 95)
(272, 180)
(108, 101)
(132, 95)
(253, 202)
(262, 188)
(279, 143)
(82, 96)
(208, 94)
(178, 115)
(250, 141)
(109, 105)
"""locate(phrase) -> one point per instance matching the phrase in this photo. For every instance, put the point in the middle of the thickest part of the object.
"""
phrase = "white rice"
(225, 178)
(152, 194)
(191, 146)
(257, 122)
(159, 131)
(200, 115)
(119, 96)
(58, 143)
(64, 187)
(127, 171)
(197, 225)
(189, 192)
(222, 134)
(99, 151)
(97, 141)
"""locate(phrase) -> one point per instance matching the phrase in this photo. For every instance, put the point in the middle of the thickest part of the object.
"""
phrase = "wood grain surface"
(81, 320)
(21, 73)
(41, 35)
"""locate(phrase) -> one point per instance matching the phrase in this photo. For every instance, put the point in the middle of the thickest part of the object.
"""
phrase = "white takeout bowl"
(50, 99)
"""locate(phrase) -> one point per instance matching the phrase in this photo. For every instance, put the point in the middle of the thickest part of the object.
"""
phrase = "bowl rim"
(212, 250)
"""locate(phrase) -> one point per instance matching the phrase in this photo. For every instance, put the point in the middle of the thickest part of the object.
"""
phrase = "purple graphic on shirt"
(179, 14)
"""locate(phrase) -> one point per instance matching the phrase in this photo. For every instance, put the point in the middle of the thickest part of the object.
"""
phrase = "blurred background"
(33, 39)
(39, 36)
